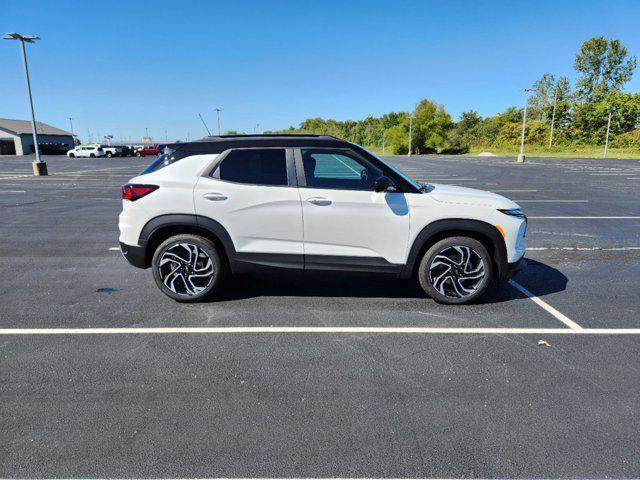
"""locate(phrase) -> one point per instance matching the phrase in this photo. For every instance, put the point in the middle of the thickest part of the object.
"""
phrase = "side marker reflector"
(501, 230)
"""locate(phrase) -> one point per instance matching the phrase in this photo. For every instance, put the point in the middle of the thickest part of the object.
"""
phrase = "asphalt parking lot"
(323, 375)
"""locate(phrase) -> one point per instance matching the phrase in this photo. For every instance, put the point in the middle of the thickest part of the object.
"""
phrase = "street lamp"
(39, 166)
(218, 110)
(606, 143)
(410, 131)
(524, 124)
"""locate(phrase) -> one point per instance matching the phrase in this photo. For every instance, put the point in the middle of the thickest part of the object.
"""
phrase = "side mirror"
(384, 184)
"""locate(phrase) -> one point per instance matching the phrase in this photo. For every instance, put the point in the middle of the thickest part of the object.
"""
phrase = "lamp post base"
(39, 169)
(521, 158)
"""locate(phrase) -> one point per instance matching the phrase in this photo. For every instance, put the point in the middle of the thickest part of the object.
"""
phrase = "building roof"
(221, 143)
(20, 127)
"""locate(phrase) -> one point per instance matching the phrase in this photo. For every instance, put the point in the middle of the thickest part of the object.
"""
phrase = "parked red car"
(146, 151)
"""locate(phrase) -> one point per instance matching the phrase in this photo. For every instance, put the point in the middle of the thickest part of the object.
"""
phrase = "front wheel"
(138, 154)
(188, 268)
(92, 155)
(71, 155)
(456, 270)
(109, 155)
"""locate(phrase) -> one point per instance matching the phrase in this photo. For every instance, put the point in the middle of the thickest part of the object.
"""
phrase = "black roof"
(221, 143)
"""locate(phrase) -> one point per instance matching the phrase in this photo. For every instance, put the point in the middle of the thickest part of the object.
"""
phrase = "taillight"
(133, 192)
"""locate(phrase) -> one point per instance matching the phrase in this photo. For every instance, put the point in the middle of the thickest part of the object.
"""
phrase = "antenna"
(205, 125)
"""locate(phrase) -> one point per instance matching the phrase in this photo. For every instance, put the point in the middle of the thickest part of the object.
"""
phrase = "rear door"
(347, 225)
(252, 193)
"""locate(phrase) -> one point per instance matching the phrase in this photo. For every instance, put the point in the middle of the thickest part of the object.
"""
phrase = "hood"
(469, 196)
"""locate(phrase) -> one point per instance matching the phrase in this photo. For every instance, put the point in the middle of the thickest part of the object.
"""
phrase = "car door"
(252, 193)
(347, 225)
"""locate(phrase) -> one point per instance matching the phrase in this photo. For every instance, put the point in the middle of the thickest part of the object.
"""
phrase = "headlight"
(514, 212)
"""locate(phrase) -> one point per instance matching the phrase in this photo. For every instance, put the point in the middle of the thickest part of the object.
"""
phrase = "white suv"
(90, 151)
(233, 204)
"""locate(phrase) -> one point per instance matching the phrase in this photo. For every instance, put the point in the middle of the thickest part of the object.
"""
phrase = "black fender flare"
(485, 229)
(189, 220)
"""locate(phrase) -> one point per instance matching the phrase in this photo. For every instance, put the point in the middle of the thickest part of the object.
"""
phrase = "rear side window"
(255, 167)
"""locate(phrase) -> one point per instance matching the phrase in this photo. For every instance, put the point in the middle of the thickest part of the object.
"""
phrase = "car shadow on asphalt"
(539, 278)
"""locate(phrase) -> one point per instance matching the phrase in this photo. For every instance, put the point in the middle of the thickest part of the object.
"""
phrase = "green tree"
(603, 65)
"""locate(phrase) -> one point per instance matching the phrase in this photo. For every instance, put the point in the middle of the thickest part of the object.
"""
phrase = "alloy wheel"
(186, 269)
(457, 271)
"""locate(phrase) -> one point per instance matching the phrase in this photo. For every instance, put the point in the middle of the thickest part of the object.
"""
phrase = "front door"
(252, 194)
(347, 223)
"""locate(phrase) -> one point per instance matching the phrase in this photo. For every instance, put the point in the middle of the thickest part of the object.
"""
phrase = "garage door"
(7, 146)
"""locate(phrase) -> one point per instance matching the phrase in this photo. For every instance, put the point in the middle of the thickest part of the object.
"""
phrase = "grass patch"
(538, 151)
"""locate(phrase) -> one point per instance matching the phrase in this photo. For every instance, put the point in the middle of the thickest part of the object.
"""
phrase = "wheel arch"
(158, 229)
(484, 232)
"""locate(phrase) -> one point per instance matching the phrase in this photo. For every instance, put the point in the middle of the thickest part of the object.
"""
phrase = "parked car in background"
(90, 151)
(147, 151)
(110, 151)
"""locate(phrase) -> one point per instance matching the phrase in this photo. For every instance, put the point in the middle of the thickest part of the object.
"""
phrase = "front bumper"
(135, 255)
(513, 268)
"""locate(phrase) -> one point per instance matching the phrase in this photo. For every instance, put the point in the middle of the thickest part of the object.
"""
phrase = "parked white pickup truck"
(111, 151)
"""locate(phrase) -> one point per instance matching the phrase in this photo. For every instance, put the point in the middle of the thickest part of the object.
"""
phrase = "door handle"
(319, 201)
(215, 197)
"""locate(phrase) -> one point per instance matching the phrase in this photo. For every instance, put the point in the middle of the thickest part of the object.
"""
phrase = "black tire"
(452, 280)
(109, 155)
(71, 155)
(91, 155)
(199, 288)
(138, 154)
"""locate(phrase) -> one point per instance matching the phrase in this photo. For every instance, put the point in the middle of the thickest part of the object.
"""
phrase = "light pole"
(71, 125)
(218, 110)
(383, 142)
(39, 166)
(410, 132)
(606, 142)
(524, 124)
(553, 116)
(257, 129)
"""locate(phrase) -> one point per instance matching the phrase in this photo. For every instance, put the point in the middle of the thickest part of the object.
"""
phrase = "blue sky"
(120, 66)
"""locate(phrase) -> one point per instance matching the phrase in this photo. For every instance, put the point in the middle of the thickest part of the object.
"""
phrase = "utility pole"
(39, 166)
(257, 129)
(71, 125)
(553, 116)
(205, 125)
(606, 143)
(410, 132)
(218, 110)
(524, 124)
(383, 142)
(146, 132)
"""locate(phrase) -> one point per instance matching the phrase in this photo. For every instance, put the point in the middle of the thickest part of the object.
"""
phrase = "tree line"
(578, 114)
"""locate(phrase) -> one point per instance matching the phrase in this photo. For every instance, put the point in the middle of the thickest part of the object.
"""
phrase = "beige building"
(16, 138)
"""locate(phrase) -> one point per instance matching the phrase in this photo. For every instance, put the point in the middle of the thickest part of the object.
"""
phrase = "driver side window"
(338, 170)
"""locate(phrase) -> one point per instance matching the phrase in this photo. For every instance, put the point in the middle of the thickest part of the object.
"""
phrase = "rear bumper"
(136, 256)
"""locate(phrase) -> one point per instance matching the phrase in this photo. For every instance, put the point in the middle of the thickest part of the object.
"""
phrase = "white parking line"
(13, 191)
(320, 330)
(544, 305)
(604, 249)
(586, 218)
(552, 201)
(113, 249)
(514, 191)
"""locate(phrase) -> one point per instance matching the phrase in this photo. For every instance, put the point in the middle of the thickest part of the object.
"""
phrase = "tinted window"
(255, 166)
(338, 170)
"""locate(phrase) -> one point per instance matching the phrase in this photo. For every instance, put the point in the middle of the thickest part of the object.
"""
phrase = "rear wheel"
(109, 154)
(71, 155)
(188, 268)
(138, 154)
(92, 155)
(456, 270)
